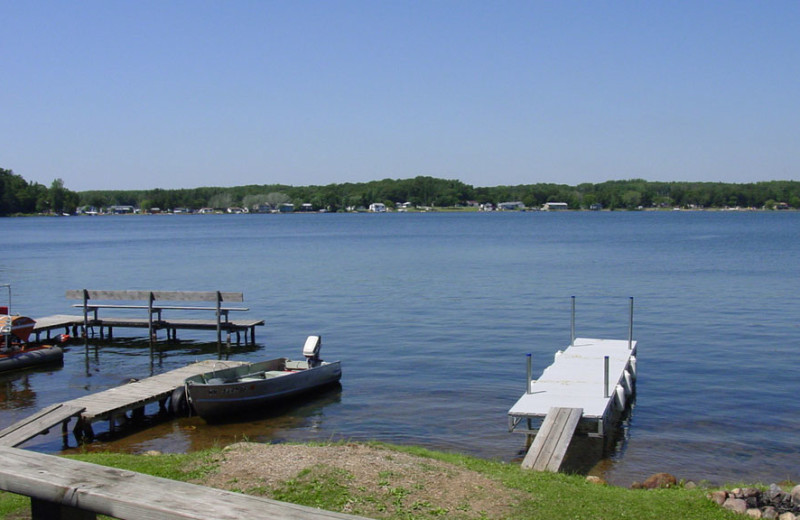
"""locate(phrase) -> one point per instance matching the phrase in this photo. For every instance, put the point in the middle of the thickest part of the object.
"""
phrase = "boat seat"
(274, 373)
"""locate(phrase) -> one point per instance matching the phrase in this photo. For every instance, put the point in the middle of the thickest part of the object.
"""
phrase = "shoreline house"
(377, 207)
(555, 206)
(510, 206)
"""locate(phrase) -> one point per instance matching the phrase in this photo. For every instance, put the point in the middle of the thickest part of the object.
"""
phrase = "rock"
(736, 505)
(152, 453)
(595, 480)
(787, 516)
(690, 485)
(753, 512)
(774, 493)
(660, 480)
(718, 497)
(795, 493)
(750, 492)
(769, 513)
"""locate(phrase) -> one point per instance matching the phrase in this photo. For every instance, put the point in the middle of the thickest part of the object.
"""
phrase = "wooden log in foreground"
(65, 489)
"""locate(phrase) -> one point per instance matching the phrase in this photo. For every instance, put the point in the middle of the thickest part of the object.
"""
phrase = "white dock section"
(577, 379)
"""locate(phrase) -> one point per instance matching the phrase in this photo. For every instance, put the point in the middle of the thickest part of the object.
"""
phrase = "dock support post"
(46, 510)
(219, 323)
(85, 312)
(630, 327)
(530, 374)
(150, 317)
(605, 378)
(572, 325)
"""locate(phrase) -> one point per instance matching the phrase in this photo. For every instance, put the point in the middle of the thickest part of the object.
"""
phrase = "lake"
(432, 315)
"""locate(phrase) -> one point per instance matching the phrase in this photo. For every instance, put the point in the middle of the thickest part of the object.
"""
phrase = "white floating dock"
(578, 379)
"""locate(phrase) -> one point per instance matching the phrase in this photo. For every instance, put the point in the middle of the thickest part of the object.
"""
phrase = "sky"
(149, 94)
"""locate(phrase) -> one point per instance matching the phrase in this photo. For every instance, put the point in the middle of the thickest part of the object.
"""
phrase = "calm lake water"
(432, 315)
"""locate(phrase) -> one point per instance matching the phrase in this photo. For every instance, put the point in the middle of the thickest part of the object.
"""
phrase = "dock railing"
(66, 489)
(153, 305)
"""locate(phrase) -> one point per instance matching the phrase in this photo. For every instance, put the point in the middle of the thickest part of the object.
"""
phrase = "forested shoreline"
(19, 197)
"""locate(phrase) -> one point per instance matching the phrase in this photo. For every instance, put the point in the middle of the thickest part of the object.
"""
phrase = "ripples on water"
(432, 315)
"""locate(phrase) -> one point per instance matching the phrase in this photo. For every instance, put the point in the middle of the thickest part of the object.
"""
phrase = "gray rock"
(736, 505)
(795, 493)
(787, 516)
(774, 493)
(753, 512)
(769, 513)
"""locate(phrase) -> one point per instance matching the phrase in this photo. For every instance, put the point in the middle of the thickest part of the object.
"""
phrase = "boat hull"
(26, 358)
(226, 393)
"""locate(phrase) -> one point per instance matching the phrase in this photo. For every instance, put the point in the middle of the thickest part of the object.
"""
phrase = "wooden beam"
(128, 495)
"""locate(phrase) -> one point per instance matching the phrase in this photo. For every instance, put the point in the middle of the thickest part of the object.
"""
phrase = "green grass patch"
(541, 495)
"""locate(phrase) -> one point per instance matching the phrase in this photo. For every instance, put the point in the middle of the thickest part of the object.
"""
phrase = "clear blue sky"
(169, 94)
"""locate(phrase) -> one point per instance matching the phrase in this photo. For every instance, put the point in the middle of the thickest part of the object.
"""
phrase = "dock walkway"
(111, 405)
(577, 379)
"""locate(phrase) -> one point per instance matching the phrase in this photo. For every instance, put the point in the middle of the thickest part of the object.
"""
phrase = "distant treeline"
(17, 196)
(429, 191)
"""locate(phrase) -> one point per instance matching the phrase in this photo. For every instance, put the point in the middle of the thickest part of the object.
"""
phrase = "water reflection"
(16, 391)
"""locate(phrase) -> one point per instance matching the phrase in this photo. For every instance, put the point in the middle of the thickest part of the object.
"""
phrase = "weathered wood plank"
(124, 398)
(550, 445)
(571, 417)
(204, 296)
(129, 495)
(37, 423)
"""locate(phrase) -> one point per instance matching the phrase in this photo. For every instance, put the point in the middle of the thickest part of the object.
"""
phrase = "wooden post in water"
(86, 314)
(150, 317)
(605, 378)
(219, 323)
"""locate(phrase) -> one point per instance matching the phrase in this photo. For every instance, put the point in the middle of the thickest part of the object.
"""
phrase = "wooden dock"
(112, 405)
(595, 376)
(74, 325)
(38, 423)
(148, 311)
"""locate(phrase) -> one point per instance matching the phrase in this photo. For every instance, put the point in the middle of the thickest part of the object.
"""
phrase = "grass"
(542, 495)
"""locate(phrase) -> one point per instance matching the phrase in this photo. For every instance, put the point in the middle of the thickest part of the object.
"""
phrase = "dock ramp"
(40, 422)
(550, 445)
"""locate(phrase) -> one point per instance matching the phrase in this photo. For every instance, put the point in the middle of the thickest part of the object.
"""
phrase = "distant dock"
(149, 312)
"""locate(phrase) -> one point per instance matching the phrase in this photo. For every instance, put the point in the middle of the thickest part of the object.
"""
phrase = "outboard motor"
(311, 351)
